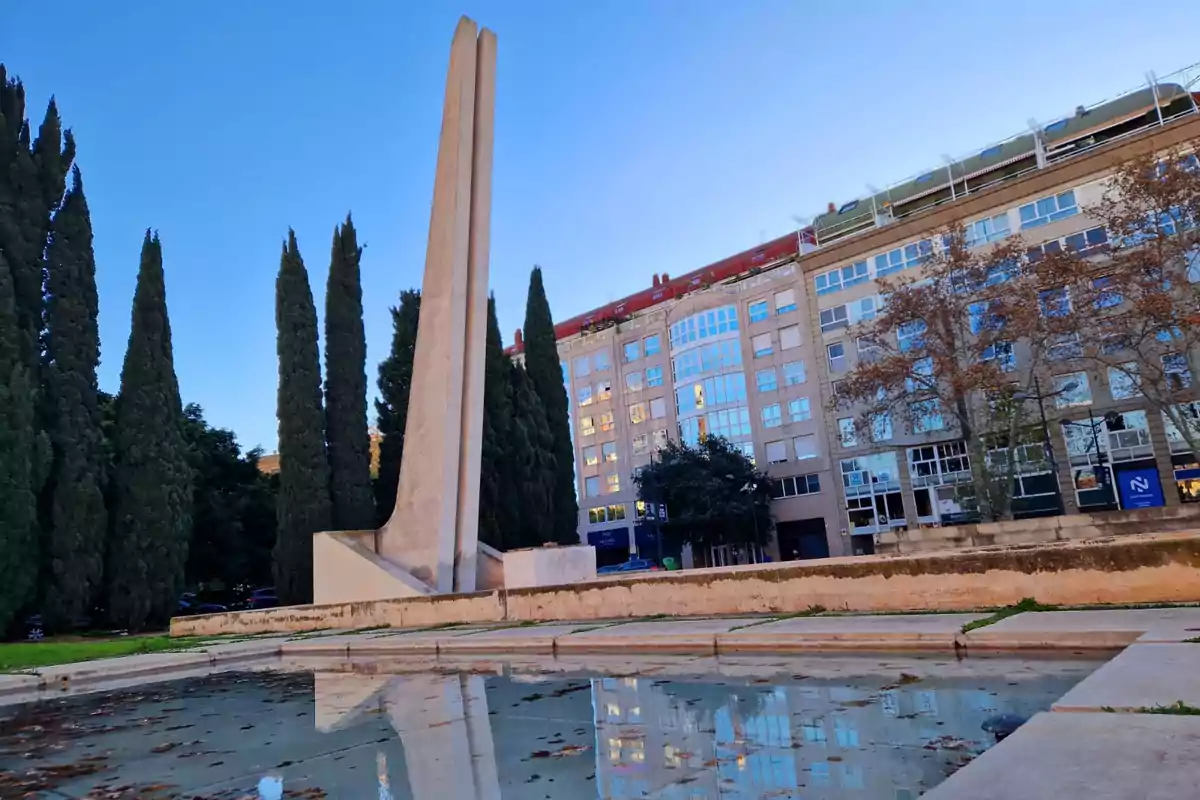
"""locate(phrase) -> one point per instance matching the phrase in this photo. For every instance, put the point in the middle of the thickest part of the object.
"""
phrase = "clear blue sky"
(632, 137)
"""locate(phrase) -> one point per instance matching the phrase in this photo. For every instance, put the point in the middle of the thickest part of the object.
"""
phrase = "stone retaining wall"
(1133, 569)
(1040, 530)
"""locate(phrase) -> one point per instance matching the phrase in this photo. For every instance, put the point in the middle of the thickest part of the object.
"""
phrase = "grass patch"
(19, 656)
(1024, 605)
(1179, 708)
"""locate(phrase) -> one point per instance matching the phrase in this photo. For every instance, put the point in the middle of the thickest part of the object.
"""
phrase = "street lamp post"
(749, 489)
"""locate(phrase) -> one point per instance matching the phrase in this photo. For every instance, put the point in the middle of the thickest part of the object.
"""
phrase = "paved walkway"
(1115, 751)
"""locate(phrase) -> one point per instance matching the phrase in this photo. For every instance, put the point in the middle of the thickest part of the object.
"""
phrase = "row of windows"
(763, 344)
(602, 514)
(856, 311)
(1039, 212)
(785, 301)
(594, 487)
(704, 325)
(716, 391)
(796, 486)
(636, 349)
(641, 441)
(803, 448)
(715, 357)
(634, 381)
(794, 374)
(799, 410)
(640, 412)
(592, 456)
(596, 362)
(729, 423)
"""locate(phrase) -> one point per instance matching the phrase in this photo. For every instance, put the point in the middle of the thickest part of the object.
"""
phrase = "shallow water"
(862, 727)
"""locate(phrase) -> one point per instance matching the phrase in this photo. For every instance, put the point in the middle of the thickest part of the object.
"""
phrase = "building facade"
(751, 348)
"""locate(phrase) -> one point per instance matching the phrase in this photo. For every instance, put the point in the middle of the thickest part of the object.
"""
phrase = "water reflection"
(675, 730)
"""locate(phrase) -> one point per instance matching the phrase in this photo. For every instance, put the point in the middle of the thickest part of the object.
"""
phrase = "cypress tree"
(18, 517)
(395, 381)
(497, 431)
(346, 387)
(532, 474)
(75, 521)
(152, 480)
(545, 373)
(303, 507)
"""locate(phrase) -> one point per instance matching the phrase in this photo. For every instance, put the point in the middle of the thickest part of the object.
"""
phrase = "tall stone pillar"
(433, 531)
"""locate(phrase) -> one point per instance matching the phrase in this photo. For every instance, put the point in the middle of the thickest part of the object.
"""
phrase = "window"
(606, 421)
(920, 377)
(715, 391)
(926, 416)
(1002, 354)
(881, 427)
(601, 360)
(987, 230)
(776, 452)
(789, 337)
(833, 318)
(658, 408)
(837, 356)
(612, 483)
(982, 317)
(1106, 295)
(591, 487)
(660, 438)
(589, 456)
(864, 308)
(805, 446)
(846, 433)
(604, 390)
(799, 410)
(906, 257)
(1123, 381)
(1071, 389)
(608, 451)
(838, 279)
(1064, 346)
(718, 356)
(641, 443)
(633, 350)
(587, 426)
(765, 378)
(761, 345)
(637, 413)
(794, 373)
(758, 311)
(910, 335)
(1192, 257)
(797, 486)
(785, 301)
(868, 349)
(1048, 209)
(585, 395)
(1176, 371)
(650, 345)
(654, 376)
(1054, 302)
(633, 381)
(772, 417)
(583, 367)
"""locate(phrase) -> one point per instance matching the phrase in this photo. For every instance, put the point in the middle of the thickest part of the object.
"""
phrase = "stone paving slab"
(874, 632)
(122, 667)
(520, 639)
(1086, 757)
(238, 652)
(1143, 676)
(693, 636)
(1089, 628)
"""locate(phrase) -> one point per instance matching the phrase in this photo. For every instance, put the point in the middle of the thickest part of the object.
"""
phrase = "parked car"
(190, 604)
(632, 565)
(262, 598)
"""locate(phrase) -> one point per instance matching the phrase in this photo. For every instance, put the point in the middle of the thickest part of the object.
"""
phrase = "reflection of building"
(752, 347)
(681, 741)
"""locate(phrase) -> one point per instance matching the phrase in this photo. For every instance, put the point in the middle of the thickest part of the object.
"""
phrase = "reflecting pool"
(870, 727)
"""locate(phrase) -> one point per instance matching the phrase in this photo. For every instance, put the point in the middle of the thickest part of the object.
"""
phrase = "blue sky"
(632, 137)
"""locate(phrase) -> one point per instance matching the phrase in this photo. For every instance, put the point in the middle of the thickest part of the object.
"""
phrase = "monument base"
(347, 568)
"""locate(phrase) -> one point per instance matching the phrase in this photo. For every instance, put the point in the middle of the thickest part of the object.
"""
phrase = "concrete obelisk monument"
(433, 533)
(431, 543)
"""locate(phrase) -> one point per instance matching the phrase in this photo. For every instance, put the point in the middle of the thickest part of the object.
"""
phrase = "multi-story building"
(751, 348)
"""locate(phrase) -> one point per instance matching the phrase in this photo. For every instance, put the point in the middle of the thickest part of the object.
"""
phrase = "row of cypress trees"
(88, 522)
(527, 485)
